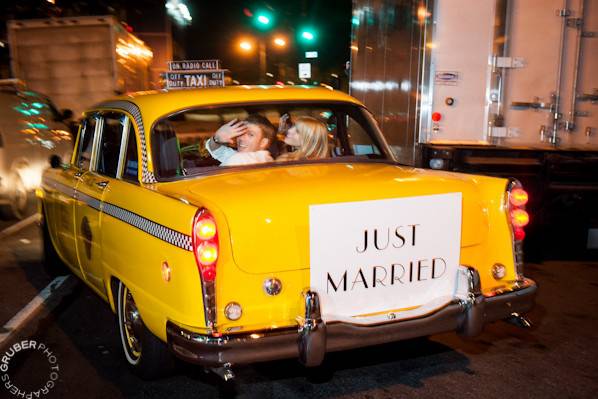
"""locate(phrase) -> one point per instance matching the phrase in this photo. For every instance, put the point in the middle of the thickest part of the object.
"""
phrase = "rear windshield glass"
(198, 140)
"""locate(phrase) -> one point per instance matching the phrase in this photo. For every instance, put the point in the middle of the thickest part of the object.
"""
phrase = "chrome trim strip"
(208, 289)
(124, 142)
(97, 139)
(146, 175)
(425, 74)
(53, 184)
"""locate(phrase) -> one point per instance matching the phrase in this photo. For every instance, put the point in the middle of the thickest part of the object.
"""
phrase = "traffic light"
(263, 20)
(307, 35)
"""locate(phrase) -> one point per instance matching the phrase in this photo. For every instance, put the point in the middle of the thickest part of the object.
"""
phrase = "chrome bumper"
(310, 341)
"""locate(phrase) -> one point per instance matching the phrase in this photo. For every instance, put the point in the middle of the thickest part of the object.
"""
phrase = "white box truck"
(502, 87)
(78, 61)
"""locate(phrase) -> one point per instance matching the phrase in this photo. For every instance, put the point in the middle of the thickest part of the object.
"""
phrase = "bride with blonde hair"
(309, 138)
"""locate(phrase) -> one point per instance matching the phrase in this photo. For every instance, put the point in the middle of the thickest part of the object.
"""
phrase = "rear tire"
(147, 356)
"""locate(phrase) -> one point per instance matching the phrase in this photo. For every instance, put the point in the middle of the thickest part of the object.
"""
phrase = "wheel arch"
(112, 290)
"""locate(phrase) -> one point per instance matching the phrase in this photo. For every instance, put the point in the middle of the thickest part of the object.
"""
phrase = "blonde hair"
(313, 137)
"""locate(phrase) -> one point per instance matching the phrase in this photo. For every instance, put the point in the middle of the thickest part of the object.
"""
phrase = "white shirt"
(229, 157)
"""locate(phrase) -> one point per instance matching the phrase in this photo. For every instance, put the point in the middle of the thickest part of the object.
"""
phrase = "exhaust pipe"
(519, 321)
(225, 372)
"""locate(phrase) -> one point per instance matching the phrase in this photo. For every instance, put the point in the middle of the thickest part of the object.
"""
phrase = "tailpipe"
(519, 320)
(225, 372)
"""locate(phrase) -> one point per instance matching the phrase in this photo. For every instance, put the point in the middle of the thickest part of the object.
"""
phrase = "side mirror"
(55, 161)
(66, 114)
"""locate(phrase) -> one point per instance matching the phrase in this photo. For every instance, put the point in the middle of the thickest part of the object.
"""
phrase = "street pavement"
(554, 359)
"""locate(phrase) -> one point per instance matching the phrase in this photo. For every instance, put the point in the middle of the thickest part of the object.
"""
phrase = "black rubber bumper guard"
(310, 341)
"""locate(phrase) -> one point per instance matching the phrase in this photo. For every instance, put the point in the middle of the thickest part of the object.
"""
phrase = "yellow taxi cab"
(290, 257)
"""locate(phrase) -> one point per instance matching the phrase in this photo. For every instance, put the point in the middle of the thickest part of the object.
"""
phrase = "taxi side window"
(131, 160)
(360, 140)
(83, 160)
(111, 135)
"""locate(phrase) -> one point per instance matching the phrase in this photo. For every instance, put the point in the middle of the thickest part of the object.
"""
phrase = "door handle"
(102, 184)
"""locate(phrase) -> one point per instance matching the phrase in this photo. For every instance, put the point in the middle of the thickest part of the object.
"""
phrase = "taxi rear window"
(191, 142)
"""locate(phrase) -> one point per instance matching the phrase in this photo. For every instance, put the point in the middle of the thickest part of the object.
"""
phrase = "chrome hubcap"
(132, 323)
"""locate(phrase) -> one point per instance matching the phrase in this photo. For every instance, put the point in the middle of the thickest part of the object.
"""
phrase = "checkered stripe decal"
(146, 175)
(157, 230)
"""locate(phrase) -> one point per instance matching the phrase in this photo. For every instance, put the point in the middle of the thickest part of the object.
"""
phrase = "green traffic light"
(262, 19)
(307, 35)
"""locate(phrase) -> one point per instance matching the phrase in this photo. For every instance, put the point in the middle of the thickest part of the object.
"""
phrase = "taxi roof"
(154, 104)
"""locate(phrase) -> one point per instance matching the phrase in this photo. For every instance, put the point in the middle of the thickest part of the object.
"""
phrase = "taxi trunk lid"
(268, 209)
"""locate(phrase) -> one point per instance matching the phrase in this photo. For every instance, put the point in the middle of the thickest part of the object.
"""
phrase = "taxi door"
(61, 204)
(88, 207)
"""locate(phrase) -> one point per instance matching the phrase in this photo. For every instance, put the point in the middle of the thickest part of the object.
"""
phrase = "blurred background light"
(377, 85)
(179, 12)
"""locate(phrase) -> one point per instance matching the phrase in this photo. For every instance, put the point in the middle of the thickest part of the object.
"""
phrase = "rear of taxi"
(289, 271)
(302, 259)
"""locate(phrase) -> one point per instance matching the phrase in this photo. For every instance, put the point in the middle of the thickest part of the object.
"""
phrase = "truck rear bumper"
(310, 341)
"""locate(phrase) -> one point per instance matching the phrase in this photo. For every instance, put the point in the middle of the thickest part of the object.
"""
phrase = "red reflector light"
(519, 218)
(209, 273)
(518, 197)
(519, 234)
(436, 116)
(205, 244)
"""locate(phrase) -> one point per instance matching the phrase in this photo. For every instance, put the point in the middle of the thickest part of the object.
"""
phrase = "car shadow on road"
(407, 363)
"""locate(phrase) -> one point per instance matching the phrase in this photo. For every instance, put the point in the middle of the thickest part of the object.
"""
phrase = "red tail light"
(205, 244)
(518, 216)
(518, 197)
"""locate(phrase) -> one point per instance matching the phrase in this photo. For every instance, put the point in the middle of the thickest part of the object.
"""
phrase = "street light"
(279, 41)
(245, 45)
(260, 44)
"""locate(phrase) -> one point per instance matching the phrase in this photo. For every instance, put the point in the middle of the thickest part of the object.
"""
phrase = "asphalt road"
(554, 359)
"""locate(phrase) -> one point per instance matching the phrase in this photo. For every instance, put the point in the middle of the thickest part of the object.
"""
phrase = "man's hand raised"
(227, 132)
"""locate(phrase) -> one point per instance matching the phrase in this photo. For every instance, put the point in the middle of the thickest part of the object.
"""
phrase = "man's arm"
(220, 152)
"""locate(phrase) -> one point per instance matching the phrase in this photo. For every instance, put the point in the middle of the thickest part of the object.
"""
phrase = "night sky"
(218, 25)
